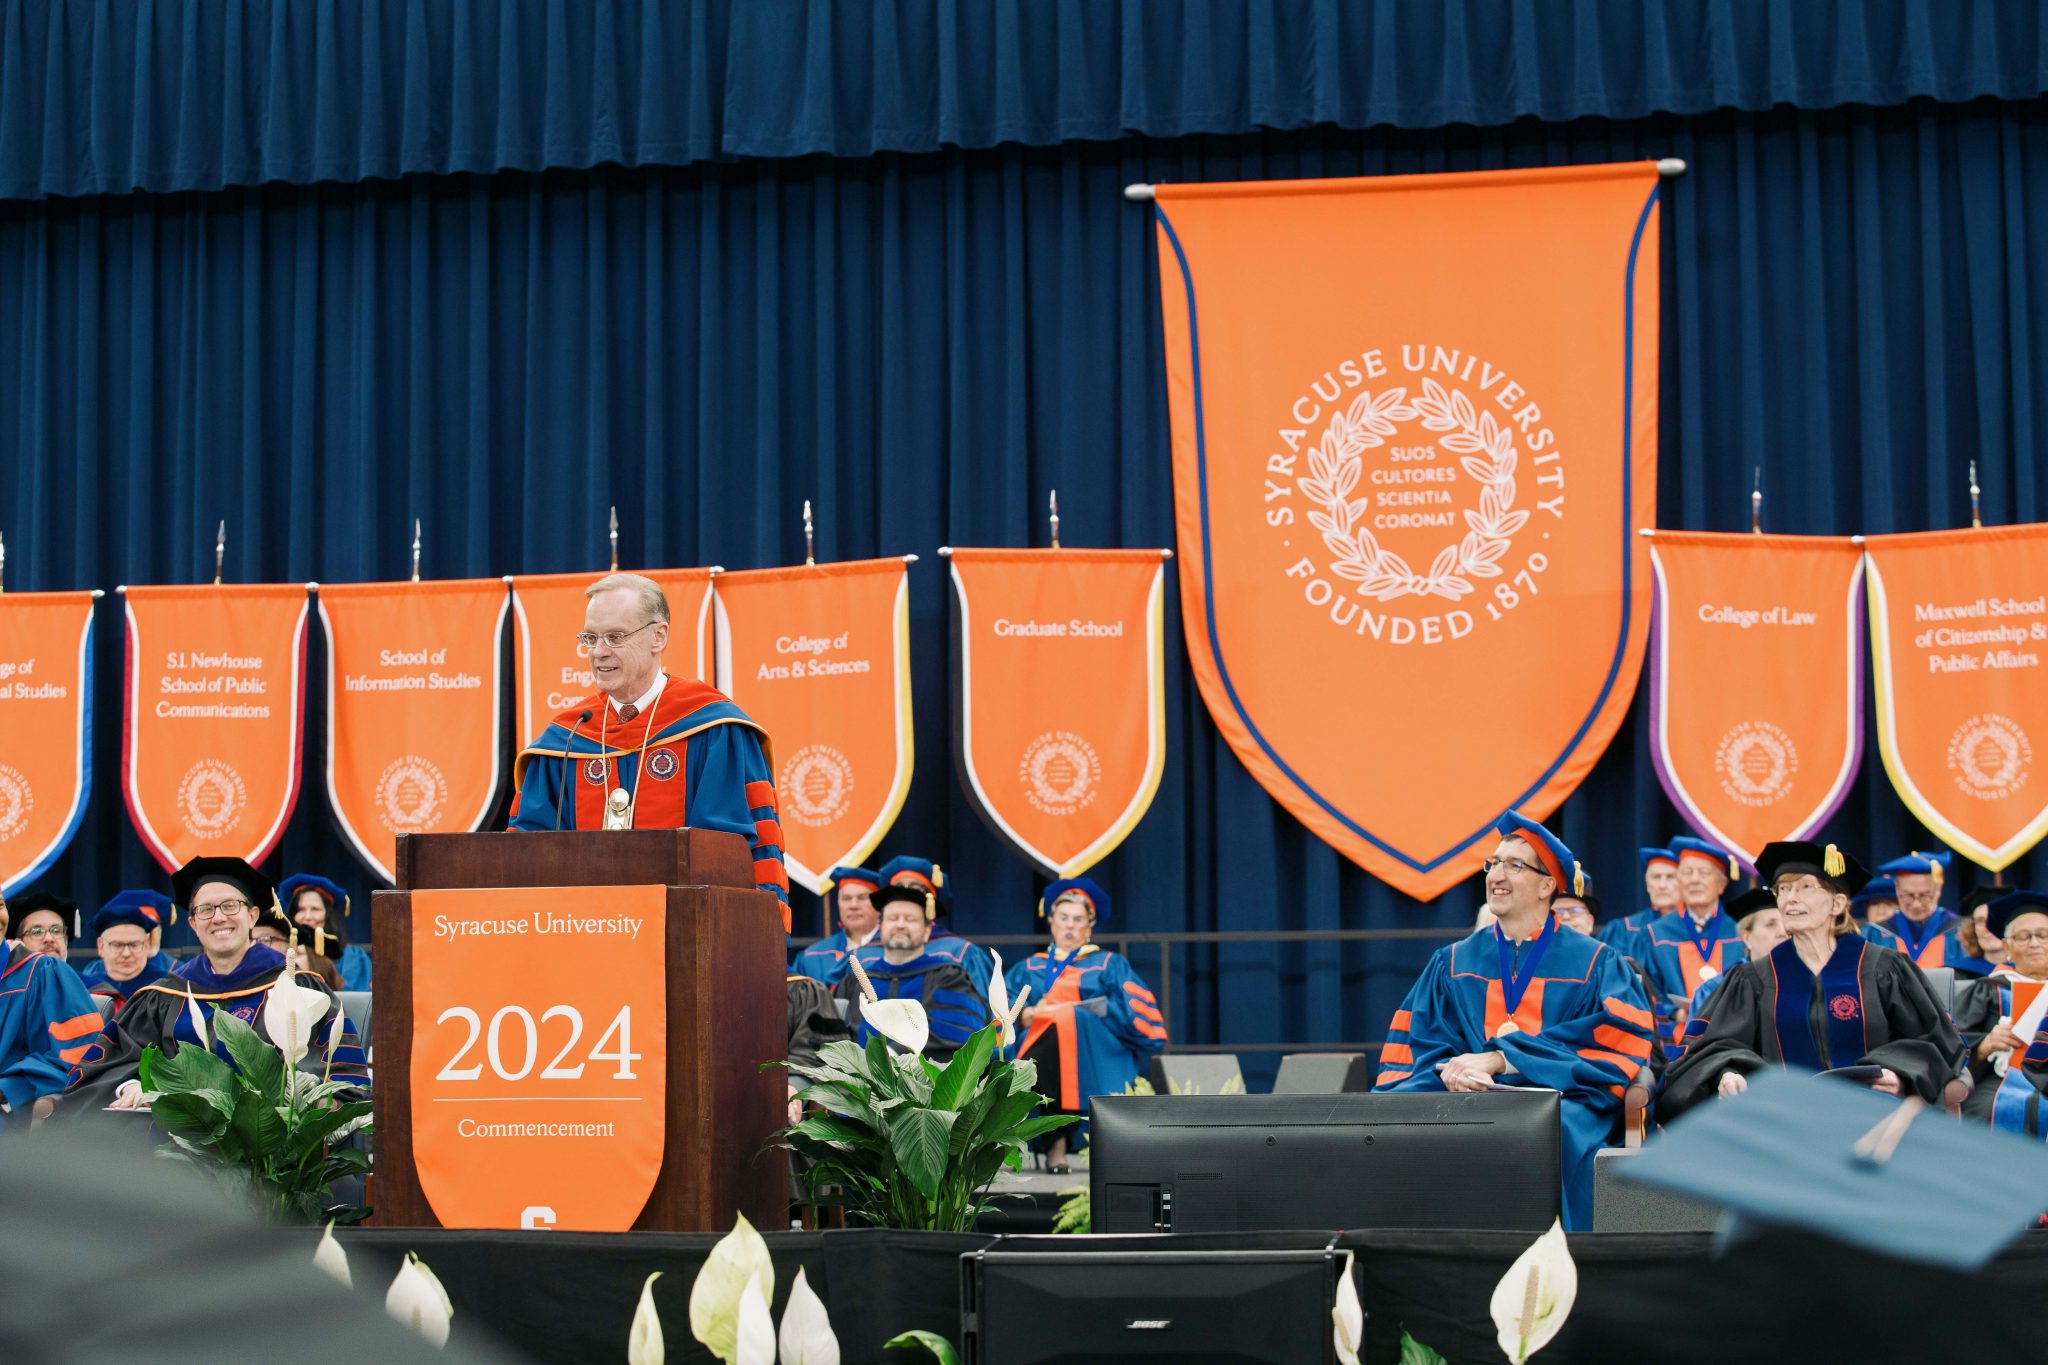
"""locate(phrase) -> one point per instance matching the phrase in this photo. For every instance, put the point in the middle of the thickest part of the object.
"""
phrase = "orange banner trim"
(45, 729)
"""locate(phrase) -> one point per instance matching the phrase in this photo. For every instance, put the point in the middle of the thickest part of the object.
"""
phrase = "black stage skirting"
(569, 1297)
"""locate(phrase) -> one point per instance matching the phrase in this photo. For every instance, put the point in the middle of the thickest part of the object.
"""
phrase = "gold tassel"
(1734, 872)
(1578, 878)
(938, 875)
(1833, 863)
(931, 907)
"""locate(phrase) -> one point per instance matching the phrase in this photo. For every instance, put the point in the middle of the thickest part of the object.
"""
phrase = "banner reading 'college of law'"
(413, 721)
(45, 728)
(539, 1054)
(1959, 633)
(1059, 705)
(212, 718)
(820, 656)
(1756, 666)
(553, 671)
(1414, 434)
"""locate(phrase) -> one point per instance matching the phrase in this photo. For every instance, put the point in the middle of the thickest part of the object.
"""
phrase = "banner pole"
(615, 537)
(810, 538)
(1756, 504)
(415, 549)
(1976, 510)
(220, 551)
(1055, 518)
(3, 563)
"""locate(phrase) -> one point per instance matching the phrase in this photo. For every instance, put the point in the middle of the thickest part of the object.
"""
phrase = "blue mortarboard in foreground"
(1551, 851)
(1802, 1152)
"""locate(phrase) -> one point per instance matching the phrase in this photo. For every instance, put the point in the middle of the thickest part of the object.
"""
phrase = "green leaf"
(833, 1128)
(313, 1128)
(192, 1068)
(940, 1348)
(919, 1139)
(261, 1065)
(146, 1065)
(956, 1083)
(1414, 1352)
(189, 1117)
(912, 1080)
(257, 1125)
(878, 1066)
(1032, 1128)
(840, 1100)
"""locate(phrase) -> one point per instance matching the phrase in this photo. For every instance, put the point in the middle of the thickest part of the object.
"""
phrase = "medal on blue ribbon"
(1515, 984)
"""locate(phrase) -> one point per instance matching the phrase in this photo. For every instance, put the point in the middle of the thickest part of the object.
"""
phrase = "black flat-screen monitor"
(1244, 1163)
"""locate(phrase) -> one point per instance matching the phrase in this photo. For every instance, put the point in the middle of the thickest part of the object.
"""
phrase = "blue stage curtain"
(112, 96)
(924, 345)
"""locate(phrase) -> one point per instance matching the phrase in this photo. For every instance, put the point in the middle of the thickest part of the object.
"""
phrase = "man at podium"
(649, 751)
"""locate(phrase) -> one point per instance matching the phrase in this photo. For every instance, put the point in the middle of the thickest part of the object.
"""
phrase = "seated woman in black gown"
(1827, 998)
(2011, 1075)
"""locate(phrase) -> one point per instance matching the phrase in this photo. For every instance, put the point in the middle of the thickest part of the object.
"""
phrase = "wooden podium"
(727, 1010)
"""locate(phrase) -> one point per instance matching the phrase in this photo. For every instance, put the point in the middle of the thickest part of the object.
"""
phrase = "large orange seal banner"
(414, 725)
(1958, 636)
(1414, 434)
(552, 672)
(1756, 672)
(45, 728)
(1059, 704)
(820, 656)
(213, 716)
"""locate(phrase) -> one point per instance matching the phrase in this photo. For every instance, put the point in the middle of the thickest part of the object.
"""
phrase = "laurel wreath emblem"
(1488, 456)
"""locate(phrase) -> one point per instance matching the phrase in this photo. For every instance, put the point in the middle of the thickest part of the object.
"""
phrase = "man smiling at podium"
(649, 751)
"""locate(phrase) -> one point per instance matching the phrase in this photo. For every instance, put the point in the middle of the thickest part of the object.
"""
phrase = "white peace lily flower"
(198, 1019)
(806, 1337)
(329, 1256)
(902, 1022)
(417, 1300)
(1348, 1316)
(643, 1344)
(999, 1001)
(740, 1256)
(291, 1013)
(1532, 1301)
(755, 1343)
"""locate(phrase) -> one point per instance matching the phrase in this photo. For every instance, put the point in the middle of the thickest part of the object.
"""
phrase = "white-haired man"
(649, 751)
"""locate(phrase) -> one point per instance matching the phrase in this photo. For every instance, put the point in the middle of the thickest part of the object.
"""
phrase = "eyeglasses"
(200, 914)
(44, 931)
(2028, 936)
(113, 947)
(1511, 866)
(1804, 886)
(612, 638)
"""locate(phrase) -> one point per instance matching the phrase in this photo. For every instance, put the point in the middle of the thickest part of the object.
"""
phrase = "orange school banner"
(820, 656)
(45, 728)
(539, 1054)
(414, 725)
(1756, 682)
(1059, 703)
(215, 706)
(1414, 434)
(553, 671)
(1958, 635)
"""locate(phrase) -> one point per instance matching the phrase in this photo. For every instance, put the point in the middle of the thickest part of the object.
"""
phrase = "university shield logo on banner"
(819, 655)
(1059, 705)
(1958, 634)
(1414, 434)
(1756, 669)
(539, 1054)
(553, 671)
(45, 728)
(213, 714)
(414, 729)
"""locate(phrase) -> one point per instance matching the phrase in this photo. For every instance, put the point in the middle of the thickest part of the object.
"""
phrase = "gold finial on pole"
(810, 538)
(220, 550)
(1976, 508)
(1054, 504)
(415, 549)
(615, 537)
(1756, 504)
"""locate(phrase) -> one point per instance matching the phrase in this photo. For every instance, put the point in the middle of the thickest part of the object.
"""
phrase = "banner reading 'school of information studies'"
(1059, 703)
(819, 655)
(552, 671)
(1756, 670)
(1959, 653)
(414, 726)
(45, 728)
(213, 718)
(539, 1054)
(1414, 434)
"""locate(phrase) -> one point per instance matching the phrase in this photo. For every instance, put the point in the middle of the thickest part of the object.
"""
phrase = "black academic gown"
(813, 1019)
(1980, 1004)
(1869, 1006)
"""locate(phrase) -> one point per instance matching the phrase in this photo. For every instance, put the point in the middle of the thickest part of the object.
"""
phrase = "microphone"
(568, 768)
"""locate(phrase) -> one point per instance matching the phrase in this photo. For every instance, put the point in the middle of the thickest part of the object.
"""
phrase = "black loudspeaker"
(1196, 1073)
(1624, 1206)
(1323, 1073)
(1262, 1301)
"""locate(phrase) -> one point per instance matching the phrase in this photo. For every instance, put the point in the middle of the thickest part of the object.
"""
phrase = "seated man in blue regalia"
(1524, 1002)
(1929, 933)
(1699, 942)
(1660, 888)
(825, 960)
(924, 875)
(156, 911)
(49, 1027)
(900, 964)
(121, 933)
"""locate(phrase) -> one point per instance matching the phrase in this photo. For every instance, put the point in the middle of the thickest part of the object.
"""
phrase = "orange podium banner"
(1756, 682)
(539, 1054)
(552, 671)
(1059, 703)
(214, 714)
(1958, 633)
(1414, 435)
(45, 728)
(414, 725)
(819, 655)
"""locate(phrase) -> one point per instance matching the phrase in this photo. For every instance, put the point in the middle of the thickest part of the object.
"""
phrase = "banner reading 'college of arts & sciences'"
(1414, 434)
(45, 728)
(213, 716)
(414, 726)
(819, 655)
(1959, 636)
(1756, 668)
(1059, 700)
(552, 671)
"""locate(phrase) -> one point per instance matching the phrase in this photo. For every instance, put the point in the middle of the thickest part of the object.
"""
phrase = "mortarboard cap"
(922, 873)
(1933, 865)
(906, 894)
(325, 942)
(2011, 905)
(1647, 856)
(859, 876)
(1702, 851)
(1982, 895)
(1557, 859)
(1875, 890)
(288, 891)
(1097, 898)
(1798, 1151)
(63, 907)
(254, 886)
(1824, 861)
(1749, 902)
(148, 911)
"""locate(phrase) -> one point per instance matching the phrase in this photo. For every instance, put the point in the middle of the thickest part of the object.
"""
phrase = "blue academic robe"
(972, 958)
(354, 966)
(49, 1027)
(162, 964)
(1937, 941)
(1100, 1054)
(1624, 935)
(1581, 1028)
(824, 960)
(953, 1006)
(1676, 963)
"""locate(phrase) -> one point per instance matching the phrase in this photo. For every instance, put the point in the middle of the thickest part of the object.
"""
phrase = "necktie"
(628, 711)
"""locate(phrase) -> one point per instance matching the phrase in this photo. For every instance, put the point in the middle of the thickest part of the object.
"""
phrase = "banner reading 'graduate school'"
(213, 718)
(1959, 654)
(1414, 434)
(45, 728)
(552, 672)
(1059, 703)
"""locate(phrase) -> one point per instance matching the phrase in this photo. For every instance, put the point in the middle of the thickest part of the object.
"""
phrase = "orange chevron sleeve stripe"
(1402, 1019)
(78, 1026)
(1386, 1077)
(1628, 1066)
(1622, 1042)
(1397, 1052)
(1622, 1010)
(761, 794)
